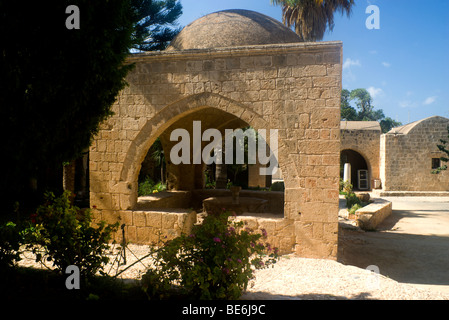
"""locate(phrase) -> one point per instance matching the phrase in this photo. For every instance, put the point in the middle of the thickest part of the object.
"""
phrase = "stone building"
(400, 160)
(410, 152)
(359, 146)
(228, 69)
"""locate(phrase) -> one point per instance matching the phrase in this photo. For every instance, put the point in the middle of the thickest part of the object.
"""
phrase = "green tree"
(311, 18)
(57, 84)
(155, 23)
(364, 110)
(363, 101)
(387, 124)
(443, 147)
(347, 111)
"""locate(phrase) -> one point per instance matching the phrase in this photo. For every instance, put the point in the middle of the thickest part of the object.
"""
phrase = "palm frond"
(311, 18)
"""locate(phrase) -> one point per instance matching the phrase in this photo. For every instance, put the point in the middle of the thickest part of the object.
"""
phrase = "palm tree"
(311, 18)
(159, 157)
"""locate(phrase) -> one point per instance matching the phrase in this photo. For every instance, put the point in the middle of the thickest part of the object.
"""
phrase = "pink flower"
(216, 239)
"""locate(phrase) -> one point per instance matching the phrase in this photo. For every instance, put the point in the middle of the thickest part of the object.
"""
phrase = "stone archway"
(166, 118)
(291, 87)
(358, 162)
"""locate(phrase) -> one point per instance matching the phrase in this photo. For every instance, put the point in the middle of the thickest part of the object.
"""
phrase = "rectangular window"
(436, 163)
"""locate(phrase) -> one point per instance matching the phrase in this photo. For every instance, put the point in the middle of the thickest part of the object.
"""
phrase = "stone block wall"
(293, 88)
(407, 154)
(366, 141)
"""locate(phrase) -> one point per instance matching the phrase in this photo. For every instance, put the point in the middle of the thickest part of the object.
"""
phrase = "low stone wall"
(165, 199)
(280, 231)
(370, 216)
(275, 198)
(161, 217)
(151, 227)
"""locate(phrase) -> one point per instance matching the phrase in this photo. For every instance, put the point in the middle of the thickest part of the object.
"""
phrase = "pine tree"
(57, 84)
(155, 23)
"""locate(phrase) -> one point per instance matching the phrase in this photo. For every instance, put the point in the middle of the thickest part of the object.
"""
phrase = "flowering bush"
(215, 261)
(65, 233)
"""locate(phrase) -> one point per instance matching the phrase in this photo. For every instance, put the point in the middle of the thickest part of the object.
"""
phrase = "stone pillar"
(254, 177)
(68, 177)
(221, 176)
(347, 173)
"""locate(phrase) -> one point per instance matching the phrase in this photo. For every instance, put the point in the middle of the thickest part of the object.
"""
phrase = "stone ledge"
(382, 193)
(304, 47)
(370, 216)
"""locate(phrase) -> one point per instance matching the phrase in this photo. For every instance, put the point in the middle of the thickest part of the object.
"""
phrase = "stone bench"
(370, 216)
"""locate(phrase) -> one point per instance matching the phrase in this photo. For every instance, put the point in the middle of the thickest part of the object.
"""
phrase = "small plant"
(159, 187)
(215, 261)
(443, 147)
(148, 187)
(65, 234)
(210, 183)
(345, 187)
(354, 208)
(352, 199)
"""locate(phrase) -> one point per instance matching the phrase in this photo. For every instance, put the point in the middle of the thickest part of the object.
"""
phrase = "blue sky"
(404, 64)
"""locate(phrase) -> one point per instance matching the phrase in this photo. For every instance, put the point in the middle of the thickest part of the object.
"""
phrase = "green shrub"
(10, 241)
(354, 208)
(351, 199)
(215, 261)
(345, 187)
(145, 187)
(160, 187)
(65, 233)
(148, 187)
(277, 186)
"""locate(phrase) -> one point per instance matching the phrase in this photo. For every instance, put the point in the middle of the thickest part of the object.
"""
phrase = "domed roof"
(229, 28)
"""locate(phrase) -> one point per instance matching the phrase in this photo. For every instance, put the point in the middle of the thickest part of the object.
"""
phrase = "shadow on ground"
(410, 246)
(310, 296)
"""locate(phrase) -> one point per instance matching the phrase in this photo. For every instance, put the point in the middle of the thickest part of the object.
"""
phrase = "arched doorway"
(190, 182)
(359, 170)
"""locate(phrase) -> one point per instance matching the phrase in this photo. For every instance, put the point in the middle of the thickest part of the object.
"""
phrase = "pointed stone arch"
(169, 115)
(294, 88)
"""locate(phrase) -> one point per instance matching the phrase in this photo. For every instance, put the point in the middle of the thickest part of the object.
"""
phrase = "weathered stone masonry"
(294, 88)
(406, 156)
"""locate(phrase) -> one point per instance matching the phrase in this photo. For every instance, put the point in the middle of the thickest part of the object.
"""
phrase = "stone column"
(68, 177)
(347, 173)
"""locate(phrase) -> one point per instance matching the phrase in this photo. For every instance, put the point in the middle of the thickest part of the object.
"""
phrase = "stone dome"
(229, 28)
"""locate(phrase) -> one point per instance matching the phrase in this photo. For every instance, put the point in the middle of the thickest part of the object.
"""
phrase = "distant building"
(400, 160)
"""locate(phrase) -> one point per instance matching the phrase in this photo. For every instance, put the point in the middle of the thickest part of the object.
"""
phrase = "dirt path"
(411, 246)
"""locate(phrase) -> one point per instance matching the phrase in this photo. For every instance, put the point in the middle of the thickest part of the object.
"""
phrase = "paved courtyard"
(410, 246)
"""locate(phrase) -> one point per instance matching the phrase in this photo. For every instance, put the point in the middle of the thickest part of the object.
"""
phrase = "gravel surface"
(295, 278)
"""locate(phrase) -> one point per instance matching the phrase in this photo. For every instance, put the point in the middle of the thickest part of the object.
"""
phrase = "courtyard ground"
(410, 246)
(410, 249)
